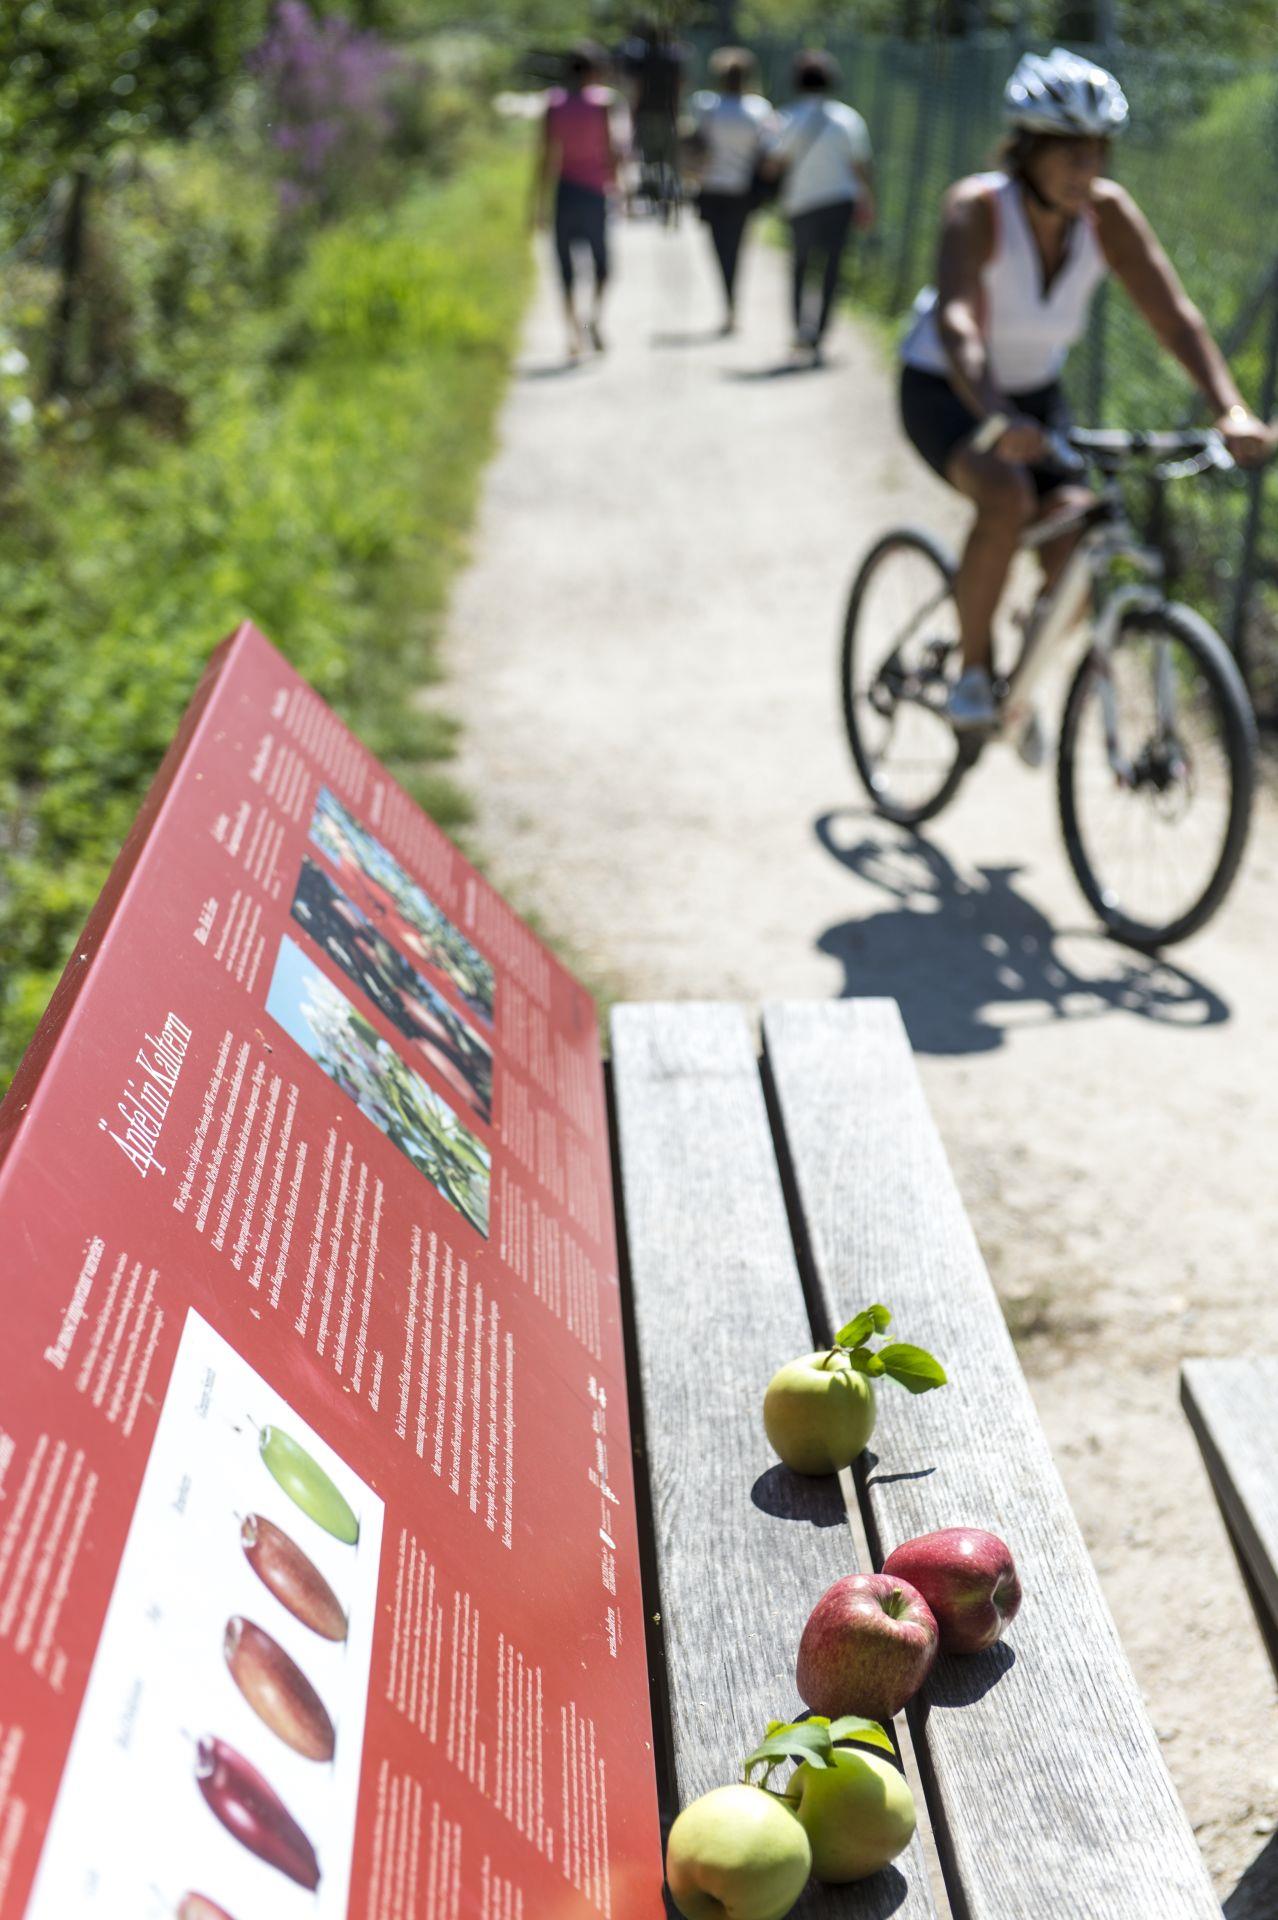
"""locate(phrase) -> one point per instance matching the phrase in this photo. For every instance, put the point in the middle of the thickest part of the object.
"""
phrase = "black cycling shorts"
(936, 421)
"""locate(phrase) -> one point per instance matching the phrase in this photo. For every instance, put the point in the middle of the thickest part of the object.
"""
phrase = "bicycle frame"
(1107, 535)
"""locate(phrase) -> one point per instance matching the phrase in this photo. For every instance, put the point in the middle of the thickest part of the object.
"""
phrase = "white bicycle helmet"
(1062, 93)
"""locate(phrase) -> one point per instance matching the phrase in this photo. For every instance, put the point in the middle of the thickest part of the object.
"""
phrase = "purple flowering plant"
(330, 91)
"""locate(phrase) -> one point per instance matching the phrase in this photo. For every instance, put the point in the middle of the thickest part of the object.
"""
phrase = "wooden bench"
(761, 1204)
(1232, 1407)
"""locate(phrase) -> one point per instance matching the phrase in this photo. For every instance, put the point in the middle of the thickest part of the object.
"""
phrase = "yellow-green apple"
(818, 1412)
(858, 1813)
(867, 1648)
(737, 1853)
(969, 1580)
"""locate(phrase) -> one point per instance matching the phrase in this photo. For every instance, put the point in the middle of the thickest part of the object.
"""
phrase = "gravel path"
(643, 654)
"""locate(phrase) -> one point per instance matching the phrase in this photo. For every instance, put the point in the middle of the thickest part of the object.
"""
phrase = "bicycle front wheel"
(1156, 775)
(900, 657)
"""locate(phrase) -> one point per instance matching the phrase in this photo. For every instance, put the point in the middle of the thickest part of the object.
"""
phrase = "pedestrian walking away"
(822, 149)
(578, 154)
(730, 128)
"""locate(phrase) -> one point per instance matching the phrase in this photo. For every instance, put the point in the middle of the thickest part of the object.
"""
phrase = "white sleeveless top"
(1029, 332)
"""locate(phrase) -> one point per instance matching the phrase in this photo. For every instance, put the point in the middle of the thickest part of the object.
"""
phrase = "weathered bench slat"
(1233, 1408)
(1057, 1803)
(744, 1548)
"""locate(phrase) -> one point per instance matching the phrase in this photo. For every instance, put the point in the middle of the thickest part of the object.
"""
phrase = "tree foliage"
(1240, 29)
(81, 77)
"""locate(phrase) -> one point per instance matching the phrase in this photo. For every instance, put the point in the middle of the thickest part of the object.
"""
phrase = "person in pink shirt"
(578, 154)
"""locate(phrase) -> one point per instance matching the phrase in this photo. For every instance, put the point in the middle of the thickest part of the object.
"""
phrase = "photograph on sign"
(385, 888)
(219, 1747)
(349, 938)
(385, 1089)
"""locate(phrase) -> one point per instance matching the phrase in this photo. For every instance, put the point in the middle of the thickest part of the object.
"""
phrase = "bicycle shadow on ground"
(1256, 1895)
(971, 960)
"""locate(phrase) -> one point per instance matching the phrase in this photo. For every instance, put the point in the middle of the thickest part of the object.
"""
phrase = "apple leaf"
(795, 1740)
(910, 1366)
(872, 1320)
(865, 1732)
(861, 1360)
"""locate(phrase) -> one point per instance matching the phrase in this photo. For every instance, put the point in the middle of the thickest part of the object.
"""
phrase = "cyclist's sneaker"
(1032, 745)
(971, 702)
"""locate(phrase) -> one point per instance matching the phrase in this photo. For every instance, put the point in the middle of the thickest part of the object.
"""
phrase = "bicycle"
(1156, 764)
(660, 178)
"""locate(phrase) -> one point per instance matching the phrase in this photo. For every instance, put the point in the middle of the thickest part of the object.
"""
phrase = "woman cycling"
(1022, 252)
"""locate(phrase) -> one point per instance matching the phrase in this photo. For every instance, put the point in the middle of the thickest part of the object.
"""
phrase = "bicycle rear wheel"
(1156, 776)
(900, 657)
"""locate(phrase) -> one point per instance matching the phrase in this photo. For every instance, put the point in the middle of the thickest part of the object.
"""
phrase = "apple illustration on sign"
(819, 1411)
(867, 1648)
(737, 1853)
(969, 1580)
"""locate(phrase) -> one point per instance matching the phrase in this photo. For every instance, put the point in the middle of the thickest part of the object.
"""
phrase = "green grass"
(325, 489)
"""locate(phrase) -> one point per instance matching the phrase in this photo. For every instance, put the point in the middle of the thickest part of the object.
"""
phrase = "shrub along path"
(324, 488)
(644, 653)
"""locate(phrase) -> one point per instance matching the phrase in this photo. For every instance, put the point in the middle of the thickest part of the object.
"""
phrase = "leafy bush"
(323, 487)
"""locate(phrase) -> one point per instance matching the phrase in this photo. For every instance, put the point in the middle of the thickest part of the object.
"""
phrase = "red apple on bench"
(867, 1648)
(969, 1580)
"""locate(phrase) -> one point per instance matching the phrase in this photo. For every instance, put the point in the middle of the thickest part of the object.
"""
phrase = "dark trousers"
(726, 214)
(580, 220)
(821, 234)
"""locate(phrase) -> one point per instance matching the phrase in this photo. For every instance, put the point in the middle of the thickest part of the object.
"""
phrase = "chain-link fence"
(1201, 159)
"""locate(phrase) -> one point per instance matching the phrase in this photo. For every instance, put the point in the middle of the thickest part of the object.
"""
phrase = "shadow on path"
(782, 370)
(549, 369)
(971, 960)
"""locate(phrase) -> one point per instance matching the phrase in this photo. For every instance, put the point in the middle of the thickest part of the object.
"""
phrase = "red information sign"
(319, 1586)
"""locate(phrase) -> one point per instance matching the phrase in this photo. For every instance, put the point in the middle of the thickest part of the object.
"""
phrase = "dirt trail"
(643, 653)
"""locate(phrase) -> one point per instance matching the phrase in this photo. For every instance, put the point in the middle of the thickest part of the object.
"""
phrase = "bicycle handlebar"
(1183, 452)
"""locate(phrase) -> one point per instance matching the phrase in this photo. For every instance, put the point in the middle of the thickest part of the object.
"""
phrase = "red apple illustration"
(969, 1580)
(867, 1648)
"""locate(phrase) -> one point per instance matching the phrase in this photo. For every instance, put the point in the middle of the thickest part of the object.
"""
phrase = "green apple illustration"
(855, 1806)
(858, 1813)
(737, 1853)
(819, 1411)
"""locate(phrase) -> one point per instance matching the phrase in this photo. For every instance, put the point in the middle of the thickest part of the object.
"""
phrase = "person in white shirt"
(827, 188)
(731, 127)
